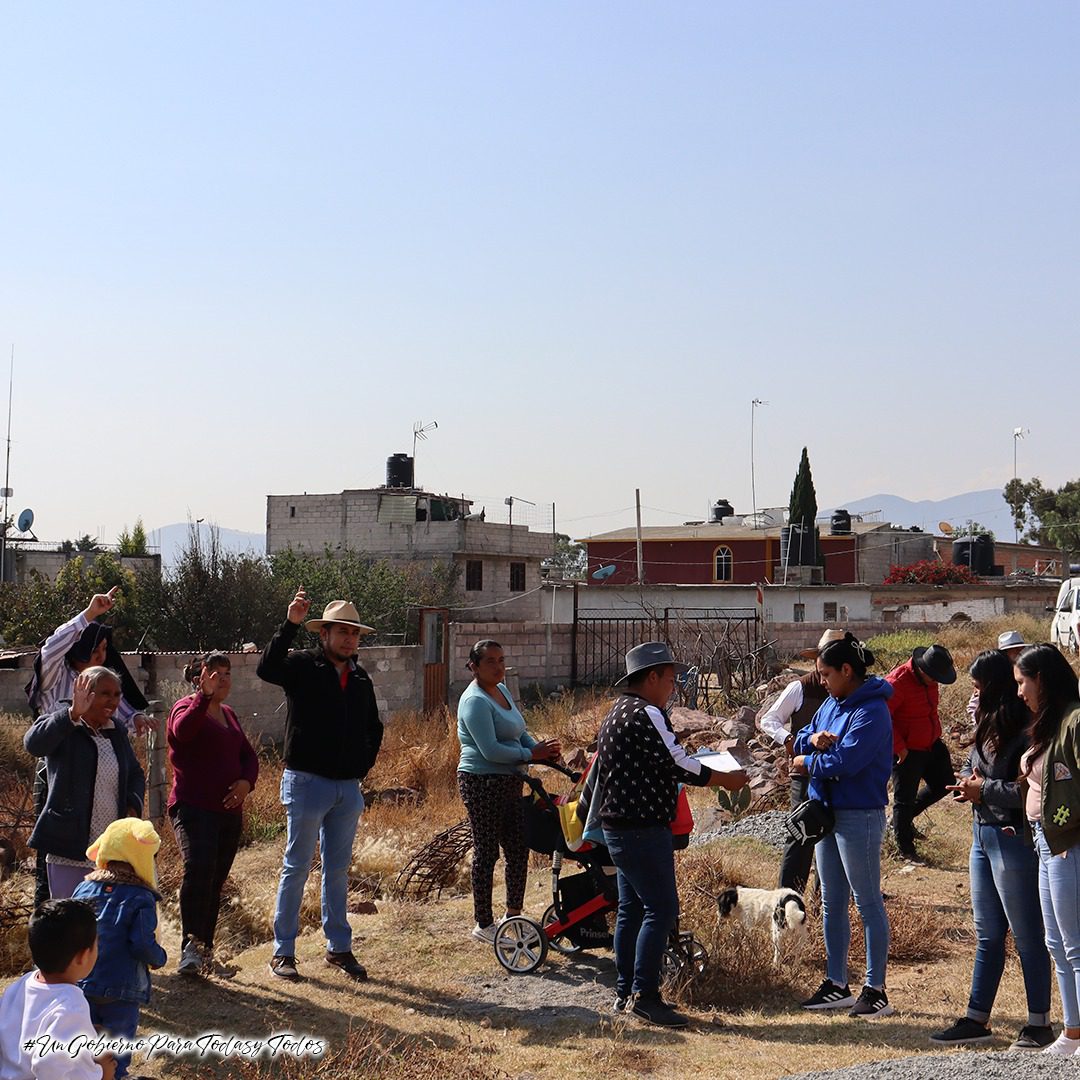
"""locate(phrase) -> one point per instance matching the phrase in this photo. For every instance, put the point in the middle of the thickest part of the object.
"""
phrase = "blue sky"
(246, 246)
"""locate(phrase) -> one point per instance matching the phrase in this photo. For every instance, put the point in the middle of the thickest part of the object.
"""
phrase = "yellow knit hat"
(130, 840)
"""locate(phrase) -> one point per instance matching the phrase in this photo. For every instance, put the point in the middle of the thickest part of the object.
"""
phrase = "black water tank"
(720, 510)
(976, 552)
(399, 471)
(840, 523)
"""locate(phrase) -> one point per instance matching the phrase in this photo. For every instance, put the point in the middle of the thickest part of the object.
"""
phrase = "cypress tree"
(802, 510)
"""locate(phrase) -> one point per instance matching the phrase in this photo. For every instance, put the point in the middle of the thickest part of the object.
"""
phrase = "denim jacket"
(126, 921)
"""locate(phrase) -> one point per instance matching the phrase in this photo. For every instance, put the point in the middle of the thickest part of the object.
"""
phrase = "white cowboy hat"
(339, 611)
(826, 639)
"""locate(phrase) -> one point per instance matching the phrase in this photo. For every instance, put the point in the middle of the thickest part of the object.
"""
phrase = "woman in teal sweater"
(494, 749)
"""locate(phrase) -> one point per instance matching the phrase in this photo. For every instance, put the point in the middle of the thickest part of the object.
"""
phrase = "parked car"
(1065, 628)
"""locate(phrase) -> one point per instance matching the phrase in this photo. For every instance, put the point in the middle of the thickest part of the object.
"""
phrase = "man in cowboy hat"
(782, 721)
(332, 736)
(920, 753)
(636, 772)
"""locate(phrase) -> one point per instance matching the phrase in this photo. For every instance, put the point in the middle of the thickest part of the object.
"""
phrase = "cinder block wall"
(396, 672)
(538, 652)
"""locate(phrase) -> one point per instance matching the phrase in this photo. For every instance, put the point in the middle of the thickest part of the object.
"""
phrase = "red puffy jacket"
(914, 710)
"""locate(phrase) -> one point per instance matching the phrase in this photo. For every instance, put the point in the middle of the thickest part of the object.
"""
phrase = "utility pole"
(753, 488)
(1018, 434)
(640, 554)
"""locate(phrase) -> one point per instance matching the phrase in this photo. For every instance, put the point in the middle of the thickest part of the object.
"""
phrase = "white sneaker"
(485, 933)
(1063, 1046)
(191, 960)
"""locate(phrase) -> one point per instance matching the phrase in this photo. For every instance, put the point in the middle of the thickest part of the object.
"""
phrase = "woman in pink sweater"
(214, 770)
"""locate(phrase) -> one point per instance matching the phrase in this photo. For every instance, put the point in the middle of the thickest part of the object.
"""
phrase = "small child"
(123, 892)
(48, 1004)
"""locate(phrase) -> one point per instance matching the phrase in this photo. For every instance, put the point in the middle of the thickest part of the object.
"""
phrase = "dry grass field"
(439, 1005)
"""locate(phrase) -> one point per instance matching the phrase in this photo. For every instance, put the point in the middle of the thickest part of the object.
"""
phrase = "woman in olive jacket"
(1051, 768)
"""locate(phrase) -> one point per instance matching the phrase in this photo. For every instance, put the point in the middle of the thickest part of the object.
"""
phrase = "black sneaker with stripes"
(830, 996)
(871, 1004)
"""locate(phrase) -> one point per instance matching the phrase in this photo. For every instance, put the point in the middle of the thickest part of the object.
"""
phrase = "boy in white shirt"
(46, 1005)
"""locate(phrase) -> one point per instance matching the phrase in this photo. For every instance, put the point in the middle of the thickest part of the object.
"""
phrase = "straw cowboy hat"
(826, 639)
(339, 611)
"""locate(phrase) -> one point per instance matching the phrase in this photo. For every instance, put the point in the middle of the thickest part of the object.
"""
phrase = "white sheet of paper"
(719, 761)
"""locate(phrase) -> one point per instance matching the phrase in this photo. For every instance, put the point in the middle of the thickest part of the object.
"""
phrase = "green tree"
(1047, 516)
(569, 561)
(30, 612)
(972, 528)
(802, 511)
(134, 542)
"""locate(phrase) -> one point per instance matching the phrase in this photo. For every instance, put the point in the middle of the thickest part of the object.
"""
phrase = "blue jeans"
(1005, 896)
(648, 905)
(328, 811)
(849, 863)
(119, 1019)
(1059, 891)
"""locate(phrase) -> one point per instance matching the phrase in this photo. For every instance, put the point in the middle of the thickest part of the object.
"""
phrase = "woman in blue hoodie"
(847, 752)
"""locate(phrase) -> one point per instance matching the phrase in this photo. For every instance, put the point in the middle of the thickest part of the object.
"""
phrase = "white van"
(1065, 629)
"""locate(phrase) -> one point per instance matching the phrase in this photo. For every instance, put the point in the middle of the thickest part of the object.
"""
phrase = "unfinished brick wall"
(538, 652)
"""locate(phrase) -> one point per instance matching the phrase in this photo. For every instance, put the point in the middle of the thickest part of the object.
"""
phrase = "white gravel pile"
(1019, 1065)
(767, 827)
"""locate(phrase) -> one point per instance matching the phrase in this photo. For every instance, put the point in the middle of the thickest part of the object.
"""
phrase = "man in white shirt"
(784, 719)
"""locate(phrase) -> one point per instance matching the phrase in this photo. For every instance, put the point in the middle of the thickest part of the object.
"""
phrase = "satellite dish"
(946, 528)
(603, 573)
(26, 520)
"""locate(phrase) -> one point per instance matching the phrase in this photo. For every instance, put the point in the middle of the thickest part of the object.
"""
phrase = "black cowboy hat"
(936, 663)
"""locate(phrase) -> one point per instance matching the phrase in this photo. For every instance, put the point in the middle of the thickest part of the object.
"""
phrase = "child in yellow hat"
(123, 892)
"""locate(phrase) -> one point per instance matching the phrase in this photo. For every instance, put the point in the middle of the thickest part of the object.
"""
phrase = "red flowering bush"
(931, 572)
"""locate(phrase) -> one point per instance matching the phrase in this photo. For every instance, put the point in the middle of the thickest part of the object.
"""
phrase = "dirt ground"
(433, 984)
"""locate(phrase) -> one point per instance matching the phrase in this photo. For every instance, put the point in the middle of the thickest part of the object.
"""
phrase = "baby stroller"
(577, 918)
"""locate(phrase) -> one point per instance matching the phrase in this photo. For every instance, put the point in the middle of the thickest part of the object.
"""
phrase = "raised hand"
(210, 682)
(298, 609)
(82, 697)
(101, 603)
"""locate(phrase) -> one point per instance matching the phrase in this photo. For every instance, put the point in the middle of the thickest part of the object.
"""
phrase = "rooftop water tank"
(399, 471)
(840, 523)
(720, 510)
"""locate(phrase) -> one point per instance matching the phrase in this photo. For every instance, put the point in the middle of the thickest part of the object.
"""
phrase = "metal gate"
(716, 641)
(435, 644)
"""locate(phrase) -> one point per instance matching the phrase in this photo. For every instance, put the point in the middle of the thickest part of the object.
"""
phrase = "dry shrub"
(573, 718)
(419, 751)
(373, 1053)
(264, 816)
(16, 903)
(740, 972)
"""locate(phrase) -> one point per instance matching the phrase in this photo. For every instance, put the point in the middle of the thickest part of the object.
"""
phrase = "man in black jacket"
(332, 737)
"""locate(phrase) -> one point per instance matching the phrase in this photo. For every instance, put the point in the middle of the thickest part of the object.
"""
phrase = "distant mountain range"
(987, 507)
(172, 539)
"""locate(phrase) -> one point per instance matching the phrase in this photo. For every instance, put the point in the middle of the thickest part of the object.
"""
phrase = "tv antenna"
(419, 431)
(7, 492)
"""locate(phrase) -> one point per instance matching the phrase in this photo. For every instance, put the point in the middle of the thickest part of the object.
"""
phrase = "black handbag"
(810, 822)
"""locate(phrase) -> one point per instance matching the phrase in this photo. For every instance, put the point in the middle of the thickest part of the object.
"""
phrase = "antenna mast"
(7, 474)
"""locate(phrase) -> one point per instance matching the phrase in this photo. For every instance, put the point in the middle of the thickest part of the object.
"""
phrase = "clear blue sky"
(246, 245)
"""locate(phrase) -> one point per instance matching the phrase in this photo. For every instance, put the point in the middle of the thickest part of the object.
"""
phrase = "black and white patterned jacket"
(639, 765)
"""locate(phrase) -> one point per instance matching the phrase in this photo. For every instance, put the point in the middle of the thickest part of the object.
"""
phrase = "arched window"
(722, 564)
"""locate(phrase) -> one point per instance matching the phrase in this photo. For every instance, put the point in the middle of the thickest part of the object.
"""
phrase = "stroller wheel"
(683, 962)
(562, 944)
(697, 956)
(520, 944)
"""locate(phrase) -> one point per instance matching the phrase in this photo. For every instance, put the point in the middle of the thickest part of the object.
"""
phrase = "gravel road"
(967, 1065)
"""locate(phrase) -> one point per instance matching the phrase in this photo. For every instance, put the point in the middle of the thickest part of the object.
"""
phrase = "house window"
(292, 511)
(722, 563)
(517, 577)
(828, 612)
(474, 575)
(843, 615)
(798, 613)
